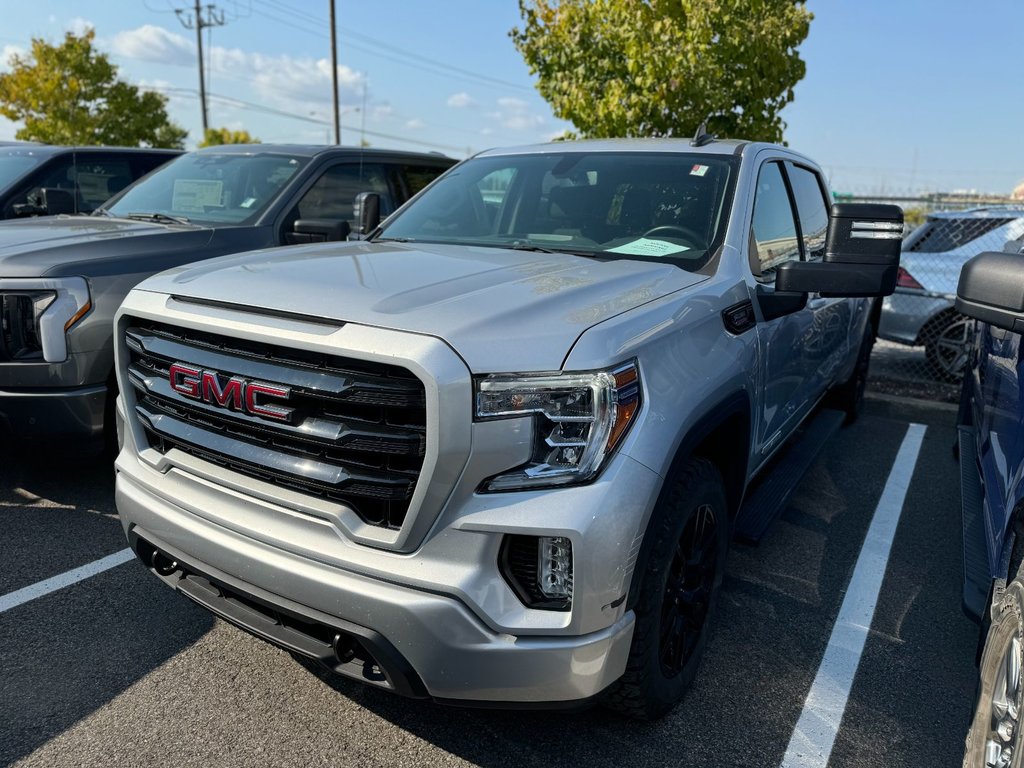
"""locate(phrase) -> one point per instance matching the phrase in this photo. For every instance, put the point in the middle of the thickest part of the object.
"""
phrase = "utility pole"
(334, 77)
(199, 23)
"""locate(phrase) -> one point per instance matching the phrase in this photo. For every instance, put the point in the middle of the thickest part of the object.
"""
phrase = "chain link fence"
(923, 342)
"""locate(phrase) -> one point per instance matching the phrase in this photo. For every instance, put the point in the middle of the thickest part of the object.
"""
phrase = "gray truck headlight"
(37, 313)
(579, 418)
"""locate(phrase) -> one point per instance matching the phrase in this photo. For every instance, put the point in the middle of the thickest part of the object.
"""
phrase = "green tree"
(660, 67)
(70, 94)
(216, 136)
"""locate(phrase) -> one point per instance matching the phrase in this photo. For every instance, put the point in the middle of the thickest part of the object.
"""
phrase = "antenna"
(701, 137)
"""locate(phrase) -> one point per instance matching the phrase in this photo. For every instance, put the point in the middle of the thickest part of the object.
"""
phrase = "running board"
(770, 493)
(977, 578)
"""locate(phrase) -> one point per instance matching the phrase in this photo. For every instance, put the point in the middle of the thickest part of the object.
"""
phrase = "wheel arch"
(723, 437)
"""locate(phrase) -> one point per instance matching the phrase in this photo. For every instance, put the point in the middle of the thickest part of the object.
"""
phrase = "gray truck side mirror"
(862, 254)
(367, 212)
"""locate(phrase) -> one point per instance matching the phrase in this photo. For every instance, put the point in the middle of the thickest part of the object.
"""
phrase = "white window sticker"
(699, 170)
(196, 195)
(645, 247)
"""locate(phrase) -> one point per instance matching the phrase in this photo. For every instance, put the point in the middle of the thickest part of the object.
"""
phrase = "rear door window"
(811, 208)
(416, 177)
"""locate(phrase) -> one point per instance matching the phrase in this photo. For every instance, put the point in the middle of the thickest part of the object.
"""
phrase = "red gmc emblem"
(234, 393)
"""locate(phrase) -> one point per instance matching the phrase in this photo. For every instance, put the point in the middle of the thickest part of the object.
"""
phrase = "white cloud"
(414, 124)
(78, 26)
(460, 100)
(151, 43)
(486, 131)
(302, 85)
(515, 115)
(9, 51)
(513, 104)
(382, 112)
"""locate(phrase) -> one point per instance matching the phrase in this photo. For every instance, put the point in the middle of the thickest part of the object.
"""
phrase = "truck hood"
(38, 246)
(502, 310)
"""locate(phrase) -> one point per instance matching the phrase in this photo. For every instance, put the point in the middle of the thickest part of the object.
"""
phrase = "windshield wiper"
(391, 240)
(528, 247)
(163, 218)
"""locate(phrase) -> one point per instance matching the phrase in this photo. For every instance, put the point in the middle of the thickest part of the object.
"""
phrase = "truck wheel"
(848, 397)
(994, 736)
(677, 595)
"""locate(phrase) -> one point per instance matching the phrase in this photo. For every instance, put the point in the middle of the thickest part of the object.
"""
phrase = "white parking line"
(66, 579)
(815, 734)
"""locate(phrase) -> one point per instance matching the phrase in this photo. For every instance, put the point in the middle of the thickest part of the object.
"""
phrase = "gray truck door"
(791, 344)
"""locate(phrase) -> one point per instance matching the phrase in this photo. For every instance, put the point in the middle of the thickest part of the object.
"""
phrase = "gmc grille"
(357, 435)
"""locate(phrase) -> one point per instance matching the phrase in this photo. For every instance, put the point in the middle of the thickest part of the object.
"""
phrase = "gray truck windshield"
(669, 206)
(210, 188)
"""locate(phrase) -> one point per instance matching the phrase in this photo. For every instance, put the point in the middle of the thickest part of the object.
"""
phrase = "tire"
(947, 346)
(676, 600)
(848, 397)
(998, 715)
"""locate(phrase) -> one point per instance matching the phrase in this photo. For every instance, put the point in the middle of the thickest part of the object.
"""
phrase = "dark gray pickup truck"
(63, 277)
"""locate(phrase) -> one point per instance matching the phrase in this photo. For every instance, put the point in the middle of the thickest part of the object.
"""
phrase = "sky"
(900, 96)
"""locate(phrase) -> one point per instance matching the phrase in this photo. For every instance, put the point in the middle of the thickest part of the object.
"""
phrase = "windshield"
(665, 206)
(210, 188)
(14, 164)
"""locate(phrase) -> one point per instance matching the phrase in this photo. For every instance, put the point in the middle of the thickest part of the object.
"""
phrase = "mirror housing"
(319, 230)
(46, 201)
(862, 254)
(366, 211)
(991, 289)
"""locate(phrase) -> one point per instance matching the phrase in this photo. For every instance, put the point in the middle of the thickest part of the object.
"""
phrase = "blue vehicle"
(991, 442)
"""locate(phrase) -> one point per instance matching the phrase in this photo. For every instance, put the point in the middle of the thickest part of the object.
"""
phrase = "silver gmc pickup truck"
(494, 453)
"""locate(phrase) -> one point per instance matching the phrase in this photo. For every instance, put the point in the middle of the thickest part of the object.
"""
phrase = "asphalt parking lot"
(119, 670)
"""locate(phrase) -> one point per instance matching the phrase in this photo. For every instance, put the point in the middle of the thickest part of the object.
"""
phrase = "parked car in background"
(921, 311)
(41, 180)
(63, 277)
(991, 432)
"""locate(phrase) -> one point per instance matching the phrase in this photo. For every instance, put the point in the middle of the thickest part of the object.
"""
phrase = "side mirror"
(366, 211)
(991, 289)
(862, 254)
(319, 231)
(46, 201)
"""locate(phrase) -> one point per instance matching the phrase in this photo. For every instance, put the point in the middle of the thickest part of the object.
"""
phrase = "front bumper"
(424, 643)
(50, 414)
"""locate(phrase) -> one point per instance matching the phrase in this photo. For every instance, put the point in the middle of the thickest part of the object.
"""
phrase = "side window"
(773, 236)
(99, 178)
(418, 176)
(811, 208)
(143, 164)
(332, 195)
(57, 174)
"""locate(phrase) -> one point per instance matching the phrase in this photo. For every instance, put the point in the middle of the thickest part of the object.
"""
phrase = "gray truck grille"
(357, 433)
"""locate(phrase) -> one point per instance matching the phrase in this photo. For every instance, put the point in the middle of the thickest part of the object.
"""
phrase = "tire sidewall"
(664, 692)
(1008, 622)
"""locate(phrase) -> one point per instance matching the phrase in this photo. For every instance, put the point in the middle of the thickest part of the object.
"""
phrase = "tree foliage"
(70, 94)
(660, 67)
(216, 136)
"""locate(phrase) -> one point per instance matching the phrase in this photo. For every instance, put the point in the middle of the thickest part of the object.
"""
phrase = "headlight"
(579, 418)
(35, 315)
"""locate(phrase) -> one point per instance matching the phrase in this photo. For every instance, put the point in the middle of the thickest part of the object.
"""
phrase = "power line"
(376, 47)
(248, 105)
